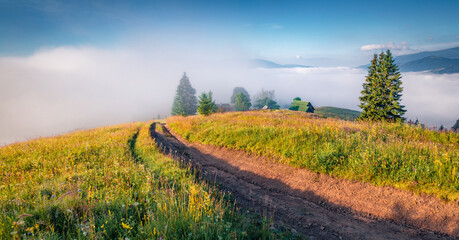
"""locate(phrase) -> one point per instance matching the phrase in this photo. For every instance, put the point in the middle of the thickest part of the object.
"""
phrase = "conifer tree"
(185, 98)
(382, 91)
(206, 105)
(394, 109)
(242, 102)
(369, 97)
(455, 127)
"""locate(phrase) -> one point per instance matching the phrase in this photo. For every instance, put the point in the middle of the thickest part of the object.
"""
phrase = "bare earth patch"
(316, 205)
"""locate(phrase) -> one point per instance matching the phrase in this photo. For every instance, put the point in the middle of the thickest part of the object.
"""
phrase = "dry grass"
(111, 183)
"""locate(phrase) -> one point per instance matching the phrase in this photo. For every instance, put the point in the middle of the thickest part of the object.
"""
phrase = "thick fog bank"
(63, 89)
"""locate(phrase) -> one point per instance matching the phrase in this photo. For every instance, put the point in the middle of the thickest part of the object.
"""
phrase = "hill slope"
(110, 183)
(405, 157)
(334, 112)
(267, 185)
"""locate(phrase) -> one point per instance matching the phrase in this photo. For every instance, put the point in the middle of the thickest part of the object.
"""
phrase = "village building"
(302, 106)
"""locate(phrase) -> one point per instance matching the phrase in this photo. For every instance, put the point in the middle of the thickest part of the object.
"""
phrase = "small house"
(302, 106)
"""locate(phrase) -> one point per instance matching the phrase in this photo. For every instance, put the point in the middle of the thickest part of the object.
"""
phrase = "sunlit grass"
(111, 183)
(394, 154)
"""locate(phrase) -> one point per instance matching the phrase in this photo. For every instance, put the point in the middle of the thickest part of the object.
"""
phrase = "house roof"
(302, 105)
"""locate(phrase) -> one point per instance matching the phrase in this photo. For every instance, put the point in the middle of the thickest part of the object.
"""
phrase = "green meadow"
(394, 154)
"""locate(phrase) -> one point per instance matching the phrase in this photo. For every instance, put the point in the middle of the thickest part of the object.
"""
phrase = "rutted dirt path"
(316, 205)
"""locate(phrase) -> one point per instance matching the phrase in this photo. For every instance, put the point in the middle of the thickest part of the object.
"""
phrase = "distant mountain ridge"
(433, 64)
(451, 53)
(261, 63)
(442, 61)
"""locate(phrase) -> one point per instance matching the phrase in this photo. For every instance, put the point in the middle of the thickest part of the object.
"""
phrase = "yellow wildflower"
(125, 226)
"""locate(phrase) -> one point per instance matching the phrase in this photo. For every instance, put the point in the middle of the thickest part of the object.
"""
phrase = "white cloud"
(371, 47)
(298, 57)
(61, 59)
(389, 45)
(431, 97)
(62, 89)
(277, 26)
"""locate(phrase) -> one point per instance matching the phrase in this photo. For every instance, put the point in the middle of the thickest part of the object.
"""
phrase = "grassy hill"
(110, 183)
(393, 154)
(334, 112)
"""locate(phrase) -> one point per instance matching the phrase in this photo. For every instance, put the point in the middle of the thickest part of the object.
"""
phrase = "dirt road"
(315, 205)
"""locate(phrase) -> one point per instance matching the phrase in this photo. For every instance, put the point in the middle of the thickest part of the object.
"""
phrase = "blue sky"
(285, 31)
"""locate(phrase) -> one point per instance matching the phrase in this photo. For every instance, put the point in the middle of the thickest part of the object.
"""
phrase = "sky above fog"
(318, 33)
(67, 65)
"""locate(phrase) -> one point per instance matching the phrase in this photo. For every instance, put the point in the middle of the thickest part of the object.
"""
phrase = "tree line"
(186, 103)
(380, 98)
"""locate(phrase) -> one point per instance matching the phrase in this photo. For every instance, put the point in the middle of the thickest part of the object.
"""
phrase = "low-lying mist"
(68, 88)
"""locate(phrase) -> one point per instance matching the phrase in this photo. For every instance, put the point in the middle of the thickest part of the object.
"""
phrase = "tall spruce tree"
(185, 98)
(394, 109)
(382, 90)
